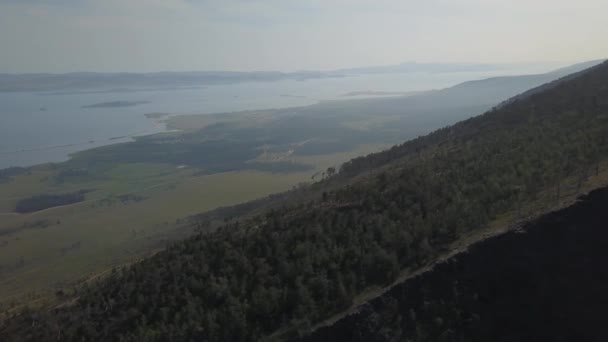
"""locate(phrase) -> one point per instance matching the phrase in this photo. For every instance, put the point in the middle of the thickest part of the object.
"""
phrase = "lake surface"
(46, 127)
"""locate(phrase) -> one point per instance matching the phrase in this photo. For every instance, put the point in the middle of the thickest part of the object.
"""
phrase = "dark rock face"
(548, 283)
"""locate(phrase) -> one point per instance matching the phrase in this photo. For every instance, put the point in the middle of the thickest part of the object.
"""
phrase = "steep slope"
(385, 215)
(546, 282)
(562, 75)
(499, 86)
(494, 90)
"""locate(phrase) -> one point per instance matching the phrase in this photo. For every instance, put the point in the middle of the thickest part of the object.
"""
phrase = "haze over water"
(46, 127)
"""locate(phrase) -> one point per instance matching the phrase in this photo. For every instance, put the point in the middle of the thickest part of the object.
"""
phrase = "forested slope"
(277, 274)
(545, 282)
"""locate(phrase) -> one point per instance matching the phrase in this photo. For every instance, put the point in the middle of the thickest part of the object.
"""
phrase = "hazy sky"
(153, 35)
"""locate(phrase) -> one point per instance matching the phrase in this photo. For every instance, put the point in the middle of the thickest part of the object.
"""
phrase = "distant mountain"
(378, 219)
(496, 89)
(562, 75)
(420, 114)
(93, 81)
(425, 67)
(578, 67)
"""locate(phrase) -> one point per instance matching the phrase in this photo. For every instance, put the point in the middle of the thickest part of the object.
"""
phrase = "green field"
(131, 210)
(140, 194)
(87, 237)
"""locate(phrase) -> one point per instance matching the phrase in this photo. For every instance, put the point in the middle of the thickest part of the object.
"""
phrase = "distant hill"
(413, 67)
(93, 81)
(496, 89)
(420, 114)
(382, 217)
(562, 75)
(86, 81)
(425, 67)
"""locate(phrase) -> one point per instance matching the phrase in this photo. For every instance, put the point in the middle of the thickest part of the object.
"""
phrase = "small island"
(381, 93)
(156, 115)
(294, 96)
(116, 104)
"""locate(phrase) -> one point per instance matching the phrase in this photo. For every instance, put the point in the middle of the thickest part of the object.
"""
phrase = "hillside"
(562, 75)
(496, 89)
(214, 160)
(545, 282)
(278, 274)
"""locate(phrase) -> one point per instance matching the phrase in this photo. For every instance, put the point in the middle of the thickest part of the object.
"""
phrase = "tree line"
(45, 201)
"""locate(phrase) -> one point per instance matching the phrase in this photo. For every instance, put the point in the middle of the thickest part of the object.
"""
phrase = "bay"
(38, 128)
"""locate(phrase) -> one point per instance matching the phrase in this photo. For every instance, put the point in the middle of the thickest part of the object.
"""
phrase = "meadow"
(140, 195)
(131, 209)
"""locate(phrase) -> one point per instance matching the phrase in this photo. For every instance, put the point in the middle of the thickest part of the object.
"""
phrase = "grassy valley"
(132, 202)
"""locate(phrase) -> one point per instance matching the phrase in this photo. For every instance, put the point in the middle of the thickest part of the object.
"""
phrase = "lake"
(46, 127)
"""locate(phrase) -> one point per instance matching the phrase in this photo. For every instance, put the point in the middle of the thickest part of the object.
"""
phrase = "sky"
(290, 35)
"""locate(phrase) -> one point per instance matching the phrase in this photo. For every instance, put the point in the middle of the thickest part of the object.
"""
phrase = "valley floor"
(131, 209)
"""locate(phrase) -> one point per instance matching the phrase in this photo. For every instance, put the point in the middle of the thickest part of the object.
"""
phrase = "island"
(382, 93)
(116, 104)
(294, 96)
(156, 115)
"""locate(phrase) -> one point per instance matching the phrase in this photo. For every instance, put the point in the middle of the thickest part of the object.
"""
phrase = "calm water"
(41, 127)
